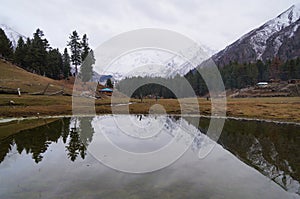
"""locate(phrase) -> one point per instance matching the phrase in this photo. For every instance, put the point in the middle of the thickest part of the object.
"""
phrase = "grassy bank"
(13, 127)
(280, 109)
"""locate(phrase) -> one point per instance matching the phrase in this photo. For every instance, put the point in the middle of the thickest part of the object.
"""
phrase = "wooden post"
(141, 97)
(19, 92)
(46, 88)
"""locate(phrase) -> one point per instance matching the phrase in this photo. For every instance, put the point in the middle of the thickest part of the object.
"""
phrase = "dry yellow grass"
(279, 109)
(13, 77)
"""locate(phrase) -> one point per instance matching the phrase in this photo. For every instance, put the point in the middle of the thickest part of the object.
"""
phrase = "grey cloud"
(215, 23)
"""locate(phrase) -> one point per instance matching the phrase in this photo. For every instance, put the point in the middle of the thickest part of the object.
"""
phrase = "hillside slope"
(13, 77)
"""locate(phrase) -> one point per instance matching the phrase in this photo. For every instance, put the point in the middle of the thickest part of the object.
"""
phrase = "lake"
(69, 158)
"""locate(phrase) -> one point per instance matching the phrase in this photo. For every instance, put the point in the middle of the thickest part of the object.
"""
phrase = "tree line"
(234, 75)
(139, 87)
(238, 76)
(37, 56)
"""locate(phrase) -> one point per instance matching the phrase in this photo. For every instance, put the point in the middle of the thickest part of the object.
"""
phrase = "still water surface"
(52, 159)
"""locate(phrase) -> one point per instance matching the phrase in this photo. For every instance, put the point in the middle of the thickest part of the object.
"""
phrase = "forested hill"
(37, 56)
(237, 76)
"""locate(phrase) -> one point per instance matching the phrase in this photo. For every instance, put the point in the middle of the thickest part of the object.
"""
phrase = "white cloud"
(215, 23)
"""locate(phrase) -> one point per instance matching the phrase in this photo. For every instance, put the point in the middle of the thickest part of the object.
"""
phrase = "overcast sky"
(214, 23)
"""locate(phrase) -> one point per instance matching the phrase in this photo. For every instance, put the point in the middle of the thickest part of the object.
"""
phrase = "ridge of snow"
(155, 63)
(259, 39)
(289, 32)
(12, 35)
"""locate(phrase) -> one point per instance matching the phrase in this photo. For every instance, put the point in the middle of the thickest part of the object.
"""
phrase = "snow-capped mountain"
(12, 35)
(266, 41)
(156, 63)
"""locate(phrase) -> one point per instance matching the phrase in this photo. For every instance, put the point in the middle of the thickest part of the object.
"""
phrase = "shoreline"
(11, 119)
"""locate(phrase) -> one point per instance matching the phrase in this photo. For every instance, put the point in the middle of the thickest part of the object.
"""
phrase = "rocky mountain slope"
(278, 37)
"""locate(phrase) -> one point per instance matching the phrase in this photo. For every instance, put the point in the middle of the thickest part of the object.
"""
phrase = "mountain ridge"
(12, 35)
(265, 42)
(278, 37)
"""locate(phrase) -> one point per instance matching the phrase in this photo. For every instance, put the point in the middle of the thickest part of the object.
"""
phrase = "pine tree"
(39, 47)
(86, 70)
(6, 49)
(274, 68)
(85, 47)
(54, 67)
(109, 83)
(20, 53)
(66, 63)
(263, 71)
(37, 56)
(75, 47)
(28, 57)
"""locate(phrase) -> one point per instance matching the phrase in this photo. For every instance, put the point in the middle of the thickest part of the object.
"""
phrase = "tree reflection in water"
(270, 148)
(80, 136)
(37, 140)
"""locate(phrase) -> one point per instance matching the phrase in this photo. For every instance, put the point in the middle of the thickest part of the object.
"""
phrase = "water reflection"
(140, 144)
(79, 139)
(36, 141)
(272, 149)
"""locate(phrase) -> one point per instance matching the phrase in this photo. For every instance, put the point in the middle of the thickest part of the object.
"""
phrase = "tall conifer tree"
(66, 63)
(75, 47)
(6, 49)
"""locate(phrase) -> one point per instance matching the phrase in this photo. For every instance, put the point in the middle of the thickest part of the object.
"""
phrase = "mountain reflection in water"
(270, 148)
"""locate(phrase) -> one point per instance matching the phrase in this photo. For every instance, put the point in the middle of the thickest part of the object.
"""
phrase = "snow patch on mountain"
(278, 43)
(294, 30)
(152, 63)
(264, 42)
(156, 63)
(12, 35)
(262, 34)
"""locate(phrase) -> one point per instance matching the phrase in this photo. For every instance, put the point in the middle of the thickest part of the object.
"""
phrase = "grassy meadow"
(277, 108)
